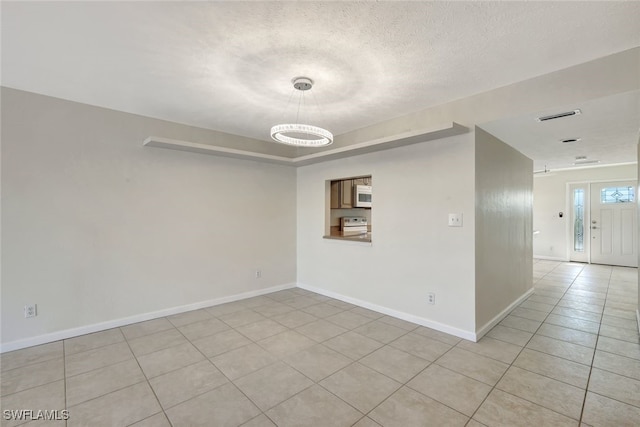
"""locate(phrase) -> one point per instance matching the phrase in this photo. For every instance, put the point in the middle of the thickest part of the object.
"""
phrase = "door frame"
(569, 210)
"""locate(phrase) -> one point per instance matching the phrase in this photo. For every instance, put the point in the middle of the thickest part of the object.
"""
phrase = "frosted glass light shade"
(320, 137)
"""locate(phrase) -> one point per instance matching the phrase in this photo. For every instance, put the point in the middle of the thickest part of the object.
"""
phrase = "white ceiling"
(607, 128)
(227, 66)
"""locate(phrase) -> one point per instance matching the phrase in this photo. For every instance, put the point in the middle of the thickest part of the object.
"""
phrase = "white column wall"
(413, 252)
(504, 198)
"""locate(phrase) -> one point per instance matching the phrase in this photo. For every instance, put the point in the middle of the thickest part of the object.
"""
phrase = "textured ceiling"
(227, 66)
(607, 128)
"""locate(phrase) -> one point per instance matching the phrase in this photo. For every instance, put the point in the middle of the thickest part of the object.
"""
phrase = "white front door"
(614, 223)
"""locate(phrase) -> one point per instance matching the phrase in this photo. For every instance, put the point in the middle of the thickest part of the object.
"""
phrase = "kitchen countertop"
(337, 235)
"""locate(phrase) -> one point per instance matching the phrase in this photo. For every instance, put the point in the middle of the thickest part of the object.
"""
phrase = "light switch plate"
(455, 220)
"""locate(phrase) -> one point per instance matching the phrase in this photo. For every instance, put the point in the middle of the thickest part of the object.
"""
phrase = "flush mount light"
(298, 134)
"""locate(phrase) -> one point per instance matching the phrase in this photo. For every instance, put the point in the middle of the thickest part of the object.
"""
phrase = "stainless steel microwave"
(362, 196)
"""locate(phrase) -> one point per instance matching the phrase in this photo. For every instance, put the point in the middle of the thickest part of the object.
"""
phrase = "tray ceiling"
(228, 66)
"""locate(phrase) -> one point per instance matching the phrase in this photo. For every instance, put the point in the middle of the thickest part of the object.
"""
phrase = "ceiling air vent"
(570, 140)
(559, 115)
(582, 160)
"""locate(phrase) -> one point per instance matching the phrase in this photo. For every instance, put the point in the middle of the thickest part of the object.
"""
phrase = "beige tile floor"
(568, 355)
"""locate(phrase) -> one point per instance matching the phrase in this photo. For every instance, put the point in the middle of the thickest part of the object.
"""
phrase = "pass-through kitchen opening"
(349, 208)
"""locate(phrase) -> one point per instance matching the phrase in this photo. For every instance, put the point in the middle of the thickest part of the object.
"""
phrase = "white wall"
(503, 239)
(413, 251)
(550, 198)
(399, 283)
(98, 228)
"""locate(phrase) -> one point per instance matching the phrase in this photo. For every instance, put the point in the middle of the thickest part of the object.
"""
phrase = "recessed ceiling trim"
(195, 147)
(598, 165)
(385, 143)
(392, 141)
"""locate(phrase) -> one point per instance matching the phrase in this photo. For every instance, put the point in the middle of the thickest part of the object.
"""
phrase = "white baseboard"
(504, 313)
(461, 333)
(551, 258)
(97, 327)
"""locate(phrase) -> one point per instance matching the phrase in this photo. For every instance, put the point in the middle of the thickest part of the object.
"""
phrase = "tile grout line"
(594, 354)
(31, 364)
(317, 383)
(450, 370)
(147, 379)
(279, 360)
(352, 362)
(405, 384)
(595, 348)
(294, 368)
(407, 332)
(494, 387)
(229, 380)
(103, 367)
(598, 335)
(35, 386)
(370, 320)
(191, 364)
(431, 363)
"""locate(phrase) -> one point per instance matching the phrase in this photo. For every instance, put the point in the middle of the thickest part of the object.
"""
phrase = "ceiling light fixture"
(297, 134)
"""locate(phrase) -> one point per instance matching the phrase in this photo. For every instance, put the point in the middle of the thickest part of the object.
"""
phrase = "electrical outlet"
(30, 310)
(431, 298)
(455, 220)
(258, 273)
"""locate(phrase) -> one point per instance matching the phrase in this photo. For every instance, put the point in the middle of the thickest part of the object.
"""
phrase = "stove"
(353, 225)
